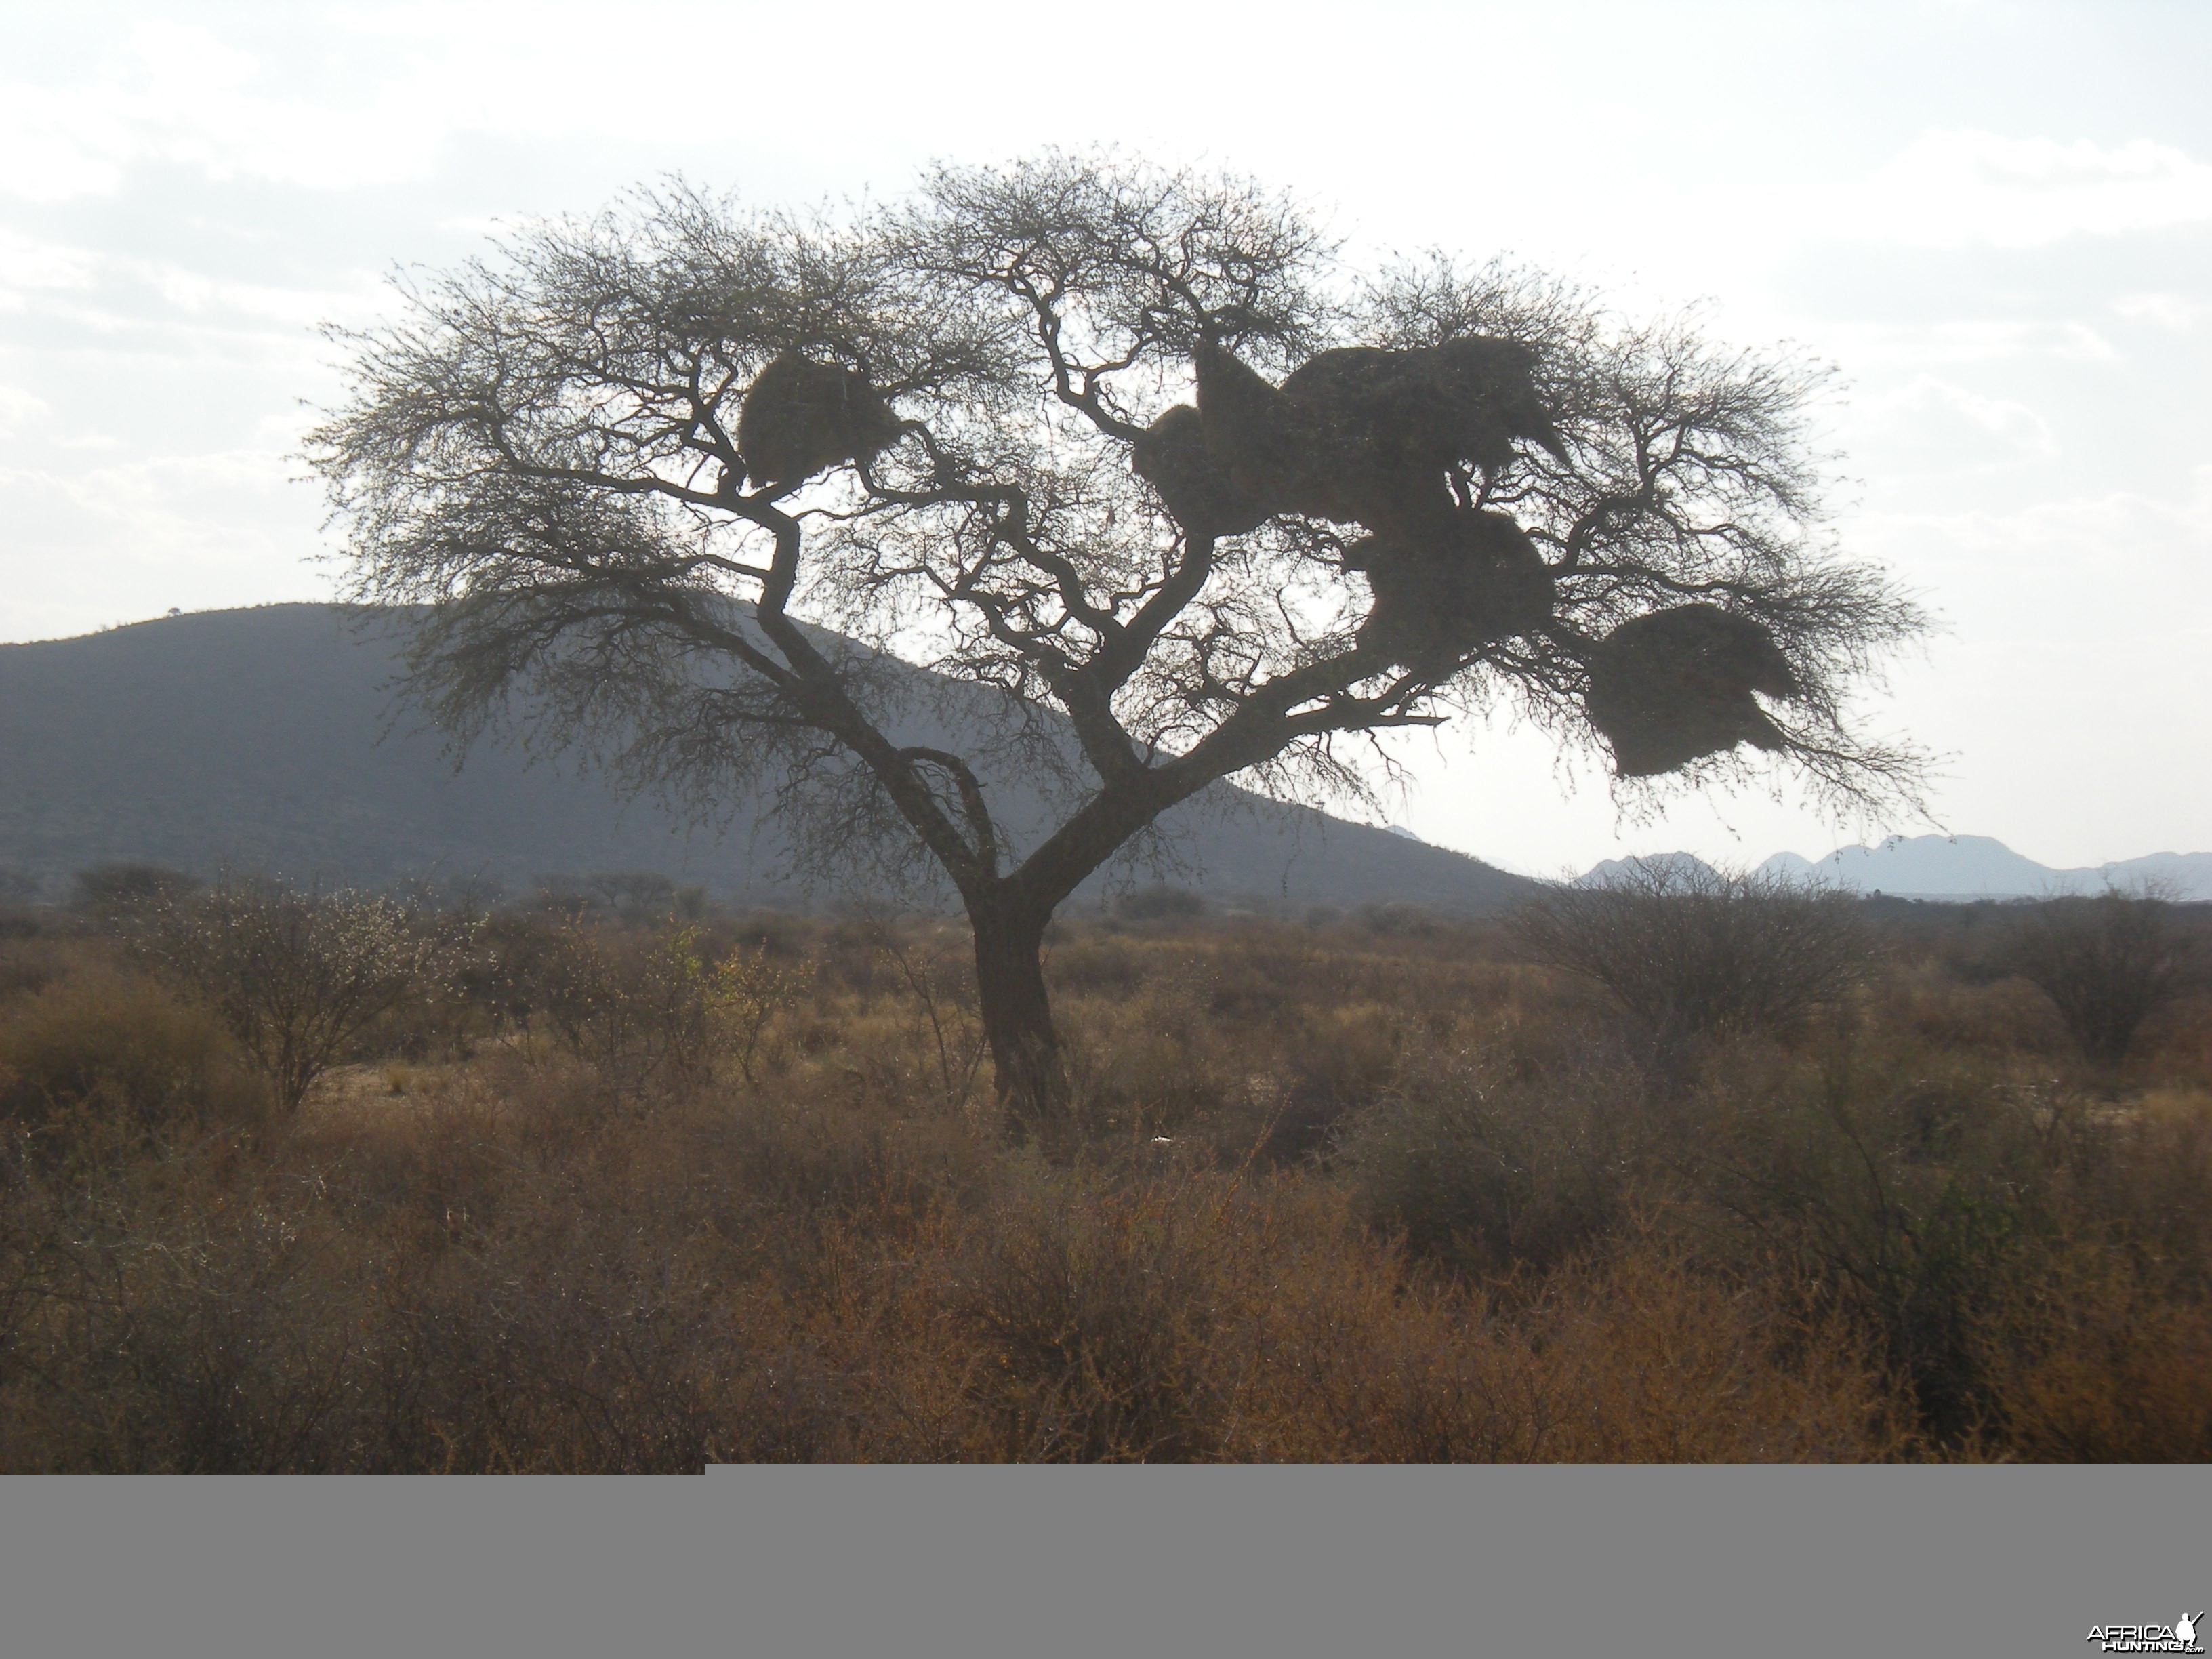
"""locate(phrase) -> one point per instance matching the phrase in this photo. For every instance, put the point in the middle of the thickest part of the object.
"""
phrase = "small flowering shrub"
(297, 976)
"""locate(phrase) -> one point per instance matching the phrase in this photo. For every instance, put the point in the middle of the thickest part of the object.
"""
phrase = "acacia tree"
(685, 482)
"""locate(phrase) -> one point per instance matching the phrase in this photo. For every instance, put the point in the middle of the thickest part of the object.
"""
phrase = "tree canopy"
(1139, 447)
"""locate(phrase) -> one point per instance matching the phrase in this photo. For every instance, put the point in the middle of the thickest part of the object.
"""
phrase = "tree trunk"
(1032, 1080)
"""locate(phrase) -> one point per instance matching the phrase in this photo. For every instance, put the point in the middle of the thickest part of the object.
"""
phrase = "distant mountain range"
(1956, 867)
(257, 740)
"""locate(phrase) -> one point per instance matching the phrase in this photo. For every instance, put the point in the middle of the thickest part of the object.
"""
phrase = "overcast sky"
(1996, 220)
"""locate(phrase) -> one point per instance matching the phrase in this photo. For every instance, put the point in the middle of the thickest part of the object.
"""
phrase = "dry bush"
(216, 1342)
(1092, 964)
(461, 1287)
(452, 1291)
(1398, 921)
(2109, 963)
(2175, 1050)
(1333, 1063)
(1490, 1172)
(1096, 1312)
(515, 968)
(1926, 1194)
(31, 962)
(2134, 1177)
(1691, 953)
(2096, 1361)
(1996, 1016)
(1187, 1315)
(935, 967)
(103, 1060)
(1893, 1238)
(642, 1007)
(1675, 1365)
(1255, 1031)
(1635, 1357)
(1150, 1062)
(1920, 1191)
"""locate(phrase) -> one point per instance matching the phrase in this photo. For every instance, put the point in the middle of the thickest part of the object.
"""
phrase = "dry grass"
(1344, 1192)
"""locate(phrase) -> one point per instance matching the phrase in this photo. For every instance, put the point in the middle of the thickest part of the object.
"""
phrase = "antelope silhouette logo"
(2185, 1629)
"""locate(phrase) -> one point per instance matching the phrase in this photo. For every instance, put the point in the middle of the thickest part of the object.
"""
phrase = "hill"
(263, 740)
(1951, 867)
(1980, 866)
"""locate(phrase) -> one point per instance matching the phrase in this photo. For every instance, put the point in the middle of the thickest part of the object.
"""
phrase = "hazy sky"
(1996, 220)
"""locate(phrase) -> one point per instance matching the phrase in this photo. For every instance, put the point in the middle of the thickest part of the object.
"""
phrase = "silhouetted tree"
(2108, 963)
(640, 468)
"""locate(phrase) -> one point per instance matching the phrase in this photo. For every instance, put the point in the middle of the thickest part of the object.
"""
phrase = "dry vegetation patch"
(1339, 1192)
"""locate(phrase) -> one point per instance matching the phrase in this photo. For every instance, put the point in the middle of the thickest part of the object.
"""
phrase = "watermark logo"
(2179, 1636)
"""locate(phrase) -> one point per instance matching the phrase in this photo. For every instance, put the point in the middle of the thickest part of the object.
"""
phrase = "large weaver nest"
(1364, 435)
(1368, 436)
(1449, 585)
(800, 417)
(1192, 482)
(1671, 687)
